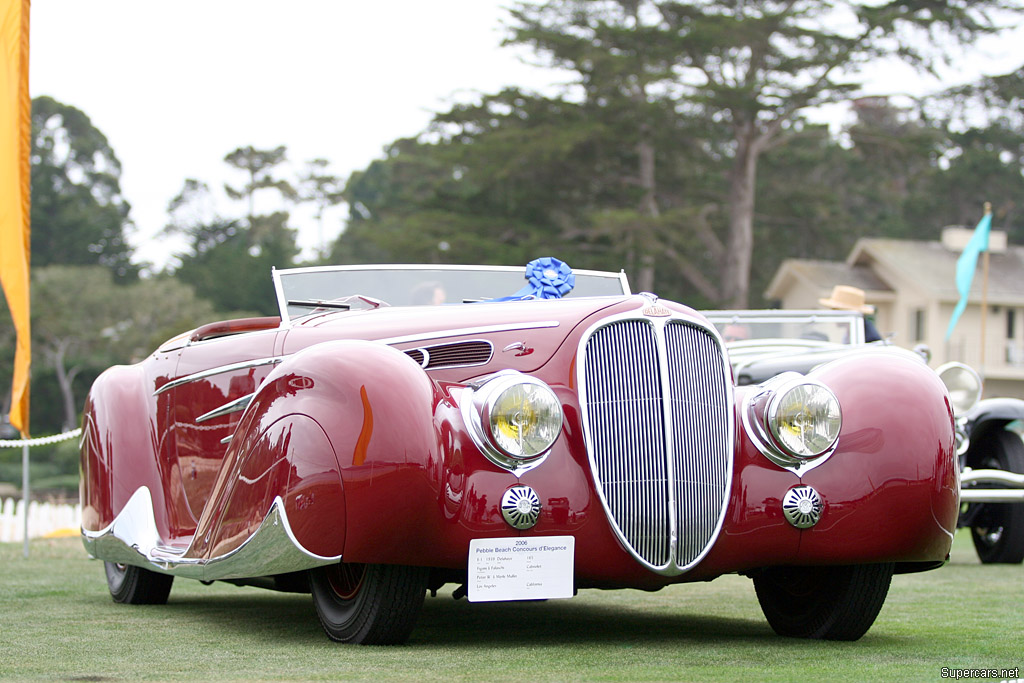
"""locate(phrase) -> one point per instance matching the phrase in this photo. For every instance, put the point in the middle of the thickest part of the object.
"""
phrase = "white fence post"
(41, 526)
(43, 519)
(8, 521)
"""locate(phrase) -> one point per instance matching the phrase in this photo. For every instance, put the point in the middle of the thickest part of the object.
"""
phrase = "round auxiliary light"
(802, 507)
(963, 385)
(805, 419)
(520, 506)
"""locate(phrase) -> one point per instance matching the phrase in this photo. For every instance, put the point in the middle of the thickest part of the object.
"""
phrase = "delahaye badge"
(657, 311)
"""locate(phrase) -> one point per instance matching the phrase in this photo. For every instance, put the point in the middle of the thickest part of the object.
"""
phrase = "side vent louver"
(459, 354)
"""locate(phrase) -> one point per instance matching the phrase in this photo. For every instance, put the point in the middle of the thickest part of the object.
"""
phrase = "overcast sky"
(175, 86)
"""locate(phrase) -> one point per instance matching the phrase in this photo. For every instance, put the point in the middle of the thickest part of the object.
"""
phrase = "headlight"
(514, 419)
(963, 385)
(805, 419)
(794, 421)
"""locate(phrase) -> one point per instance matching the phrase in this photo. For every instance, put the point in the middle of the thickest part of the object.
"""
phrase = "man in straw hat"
(847, 298)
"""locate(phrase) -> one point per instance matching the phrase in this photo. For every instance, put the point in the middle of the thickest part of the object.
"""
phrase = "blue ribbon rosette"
(546, 278)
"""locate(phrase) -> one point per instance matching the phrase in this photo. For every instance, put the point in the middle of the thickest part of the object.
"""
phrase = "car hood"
(526, 333)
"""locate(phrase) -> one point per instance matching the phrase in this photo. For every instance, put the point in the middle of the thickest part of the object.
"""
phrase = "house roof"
(823, 275)
(931, 267)
(927, 266)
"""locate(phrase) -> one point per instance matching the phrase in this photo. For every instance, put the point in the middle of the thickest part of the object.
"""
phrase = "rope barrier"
(41, 441)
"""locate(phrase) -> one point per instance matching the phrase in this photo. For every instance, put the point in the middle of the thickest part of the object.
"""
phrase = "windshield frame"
(853, 321)
(286, 318)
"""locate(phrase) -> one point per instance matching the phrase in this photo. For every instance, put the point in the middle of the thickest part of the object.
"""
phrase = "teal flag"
(965, 267)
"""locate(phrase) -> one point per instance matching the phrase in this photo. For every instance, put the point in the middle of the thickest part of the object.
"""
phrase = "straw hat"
(846, 298)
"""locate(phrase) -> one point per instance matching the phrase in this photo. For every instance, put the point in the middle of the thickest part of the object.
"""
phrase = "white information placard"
(536, 568)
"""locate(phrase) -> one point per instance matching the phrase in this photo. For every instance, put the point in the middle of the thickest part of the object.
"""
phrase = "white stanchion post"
(24, 490)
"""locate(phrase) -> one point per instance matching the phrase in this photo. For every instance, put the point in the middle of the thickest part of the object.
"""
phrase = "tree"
(82, 322)
(982, 152)
(750, 65)
(229, 259)
(259, 165)
(79, 216)
(323, 190)
(501, 181)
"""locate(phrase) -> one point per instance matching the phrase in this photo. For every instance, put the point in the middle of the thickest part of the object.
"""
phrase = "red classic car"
(519, 444)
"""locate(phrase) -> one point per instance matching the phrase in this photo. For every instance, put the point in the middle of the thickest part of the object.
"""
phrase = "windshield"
(302, 290)
(836, 327)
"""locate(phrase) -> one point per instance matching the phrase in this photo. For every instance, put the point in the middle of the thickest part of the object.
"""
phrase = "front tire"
(998, 529)
(828, 603)
(137, 586)
(368, 604)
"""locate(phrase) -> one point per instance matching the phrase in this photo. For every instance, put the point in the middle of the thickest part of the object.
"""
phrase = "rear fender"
(119, 448)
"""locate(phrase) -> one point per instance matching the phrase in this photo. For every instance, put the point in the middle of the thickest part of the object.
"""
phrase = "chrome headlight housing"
(514, 419)
(794, 420)
(963, 385)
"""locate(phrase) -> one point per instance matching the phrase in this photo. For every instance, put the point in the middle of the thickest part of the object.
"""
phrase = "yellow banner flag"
(15, 147)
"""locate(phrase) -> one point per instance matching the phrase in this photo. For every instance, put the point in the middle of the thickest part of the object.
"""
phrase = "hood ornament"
(654, 309)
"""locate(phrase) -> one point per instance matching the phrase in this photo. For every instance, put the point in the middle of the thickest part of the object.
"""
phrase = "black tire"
(137, 586)
(998, 528)
(827, 603)
(368, 604)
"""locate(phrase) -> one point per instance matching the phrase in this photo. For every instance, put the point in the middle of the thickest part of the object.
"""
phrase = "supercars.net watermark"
(1004, 675)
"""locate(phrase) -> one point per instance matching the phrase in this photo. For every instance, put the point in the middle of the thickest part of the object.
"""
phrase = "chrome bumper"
(1014, 493)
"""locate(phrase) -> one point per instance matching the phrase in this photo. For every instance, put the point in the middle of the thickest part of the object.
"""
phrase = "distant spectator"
(846, 298)
(735, 332)
(429, 293)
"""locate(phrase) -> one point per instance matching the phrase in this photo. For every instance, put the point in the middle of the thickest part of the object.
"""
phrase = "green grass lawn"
(57, 622)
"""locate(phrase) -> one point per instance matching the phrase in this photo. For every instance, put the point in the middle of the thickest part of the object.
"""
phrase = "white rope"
(41, 441)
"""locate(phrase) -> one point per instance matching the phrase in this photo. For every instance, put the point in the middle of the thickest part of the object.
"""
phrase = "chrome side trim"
(210, 372)
(132, 538)
(439, 334)
(236, 406)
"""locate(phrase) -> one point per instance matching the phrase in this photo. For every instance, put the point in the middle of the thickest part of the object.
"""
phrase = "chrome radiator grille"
(657, 414)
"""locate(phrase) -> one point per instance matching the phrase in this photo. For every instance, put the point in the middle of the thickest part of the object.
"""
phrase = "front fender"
(343, 433)
(891, 489)
(992, 414)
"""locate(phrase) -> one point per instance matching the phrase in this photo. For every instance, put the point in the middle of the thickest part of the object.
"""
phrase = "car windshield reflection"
(743, 328)
(302, 291)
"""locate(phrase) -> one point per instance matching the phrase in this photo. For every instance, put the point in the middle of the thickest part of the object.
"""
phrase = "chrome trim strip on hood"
(439, 334)
(236, 406)
(132, 538)
(210, 372)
